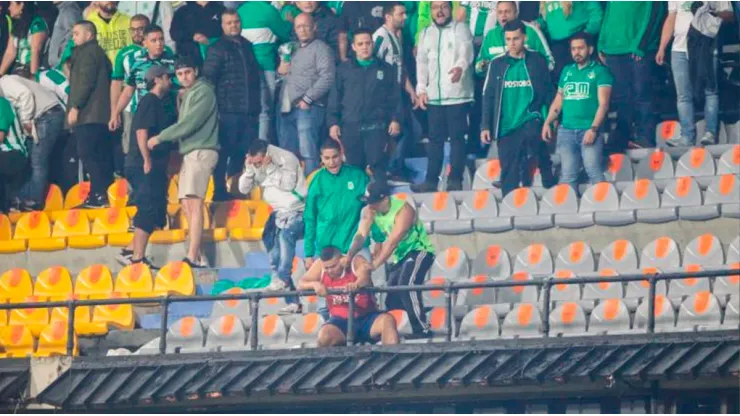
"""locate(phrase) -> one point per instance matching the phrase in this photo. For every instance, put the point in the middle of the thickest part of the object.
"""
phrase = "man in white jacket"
(42, 118)
(279, 173)
(445, 89)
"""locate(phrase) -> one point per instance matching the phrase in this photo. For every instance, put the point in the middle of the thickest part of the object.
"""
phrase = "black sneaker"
(125, 257)
(146, 262)
(95, 202)
(424, 187)
(193, 265)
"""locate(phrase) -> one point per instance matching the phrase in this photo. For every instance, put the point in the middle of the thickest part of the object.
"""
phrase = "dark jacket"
(328, 28)
(89, 83)
(364, 95)
(539, 75)
(366, 15)
(233, 70)
(191, 19)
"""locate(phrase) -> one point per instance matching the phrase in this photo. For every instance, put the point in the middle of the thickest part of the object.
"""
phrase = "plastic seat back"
(519, 202)
(705, 250)
(733, 251)
(492, 261)
(728, 285)
(54, 283)
(187, 333)
(665, 317)
(477, 296)
(175, 278)
(577, 256)
(305, 330)
(441, 207)
(600, 197)
(604, 290)
(620, 255)
(682, 192)
(732, 314)
(113, 221)
(232, 214)
(523, 321)
(33, 225)
(479, 204)
(452, 264)
(54, 200)
(402, 322)
(568, 319)
(480, 323)
(699, 311)
(53, 341)
(663, 252)
(94, 281)
(562, 291)
(619, 169)
(77, 195)
(486, 174)
(640, 194)
(729, 162)
(120, 316)
(240, 308)
(696, 162)
(135, 281)
(17, 340)
(227, 332)
(685, 287)
(641, 288)
(609, 316)
(15, 285)
(560, 199)
(517, 294)
(535, 258)
(658, 165)
(433, 298)
(437, 321)
(118, 193)
(33, 318)
(723, 189)
(665, 131)
(273, 332)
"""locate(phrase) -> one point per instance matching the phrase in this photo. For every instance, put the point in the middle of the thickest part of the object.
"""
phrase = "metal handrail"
(450, 290)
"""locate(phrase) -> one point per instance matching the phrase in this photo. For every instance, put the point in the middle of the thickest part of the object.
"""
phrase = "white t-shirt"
(683, 22)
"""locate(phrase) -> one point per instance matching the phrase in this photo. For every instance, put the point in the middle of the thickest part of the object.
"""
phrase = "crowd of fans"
(271, 91)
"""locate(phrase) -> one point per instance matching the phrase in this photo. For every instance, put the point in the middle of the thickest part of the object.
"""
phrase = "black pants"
(94, 149)
(149, 195)
(235, 134)
(447, 121)
(411, 270)
(13, 165)
(519, 153)
(367, 146)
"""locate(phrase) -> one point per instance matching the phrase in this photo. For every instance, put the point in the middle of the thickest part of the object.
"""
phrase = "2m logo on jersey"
(577, 90)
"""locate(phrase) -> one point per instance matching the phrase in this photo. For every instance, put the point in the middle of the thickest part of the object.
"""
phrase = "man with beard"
(445, 89)
(583, 99)
(112, 26)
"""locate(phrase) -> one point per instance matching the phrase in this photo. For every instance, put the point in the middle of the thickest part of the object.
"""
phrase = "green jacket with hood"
(197, 122)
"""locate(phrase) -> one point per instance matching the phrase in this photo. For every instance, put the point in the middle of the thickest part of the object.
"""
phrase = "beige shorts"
(195, 172)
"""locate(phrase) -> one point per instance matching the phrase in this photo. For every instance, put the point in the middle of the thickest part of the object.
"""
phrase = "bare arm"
(123, 100)
(405, 218)
(605, 93)
(363, 230)
(116, 86)
(555, 108)
(362, 271)
(37, 43)
(8, 57)
(311, 280)
(342, 43)
(665, 36)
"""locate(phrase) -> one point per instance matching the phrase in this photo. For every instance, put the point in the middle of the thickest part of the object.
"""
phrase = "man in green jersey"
(395, 225)
(583, 99)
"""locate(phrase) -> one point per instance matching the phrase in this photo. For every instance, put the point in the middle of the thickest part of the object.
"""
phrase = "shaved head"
(305, 27)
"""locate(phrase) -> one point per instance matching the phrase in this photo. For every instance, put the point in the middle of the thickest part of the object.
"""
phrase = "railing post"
(351, 319)
(163, 324)
(546, 286)
(448, 307)
(71, 327)
(651, 304)
(255, 306)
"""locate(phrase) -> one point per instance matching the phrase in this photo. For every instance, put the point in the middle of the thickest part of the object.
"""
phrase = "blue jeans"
(283, 252)
(575, 155)
(299, 131)
(685, 99)
(48, 127)
(268, 81)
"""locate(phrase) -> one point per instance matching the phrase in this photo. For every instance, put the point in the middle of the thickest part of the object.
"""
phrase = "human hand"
(304, 105)
(200, 38)
(283, 68)
(309, 262)
(114, 123)
(394, 129)
(546, 132)
(485, 136)
(589, 137)
(153, 142)
(335, 132)
(72, 116)
(320, 290)
(660, 57)
(423, 99)
(456, 74)
(147, 165)
(28, 128)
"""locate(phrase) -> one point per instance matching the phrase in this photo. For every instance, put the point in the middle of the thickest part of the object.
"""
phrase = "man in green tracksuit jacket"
(494, 46)
(628, 40)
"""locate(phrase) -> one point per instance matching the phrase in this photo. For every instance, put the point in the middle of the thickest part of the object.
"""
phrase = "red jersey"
(338, 305)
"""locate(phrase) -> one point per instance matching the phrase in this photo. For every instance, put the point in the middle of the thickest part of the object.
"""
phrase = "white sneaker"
(707, 139)
(293, 308)
(276, 285)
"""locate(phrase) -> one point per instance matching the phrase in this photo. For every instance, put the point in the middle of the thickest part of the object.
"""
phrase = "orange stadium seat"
(54, 199)
(77, 195)
(83, 320)
(114, 316)
(36, 227)
(15, 285)
(53, 341)
(479, 324)
(94, 282)
(118, 193)
(173, 204)
(35, 319)
(74, 225)
(174, 278)
(7, 244)
(227, 333)
(135, 281)
(113, 223)
(272, 332)
(17, 340)
(261, 213)
(3, 318)
(54, 283)
(523, 321)
(305, 330)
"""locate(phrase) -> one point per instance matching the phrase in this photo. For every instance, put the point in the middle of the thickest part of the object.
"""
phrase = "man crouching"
(370, 325)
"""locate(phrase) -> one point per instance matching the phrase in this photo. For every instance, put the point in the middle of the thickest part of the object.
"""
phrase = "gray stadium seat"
(271, 306)
(486, 174)
(643, 197)
(476, 297)
(561, 201)
(728, 285)
(305, 331)
(186, 334)
(441, 212)
(699, 311)
(522, 206)
(731, 318)
(492, 261)
(685, 194)
(480, 323)
(680, 288)
(729, 162)
(437, 321)
(610, 316)
(733, 251)
(663, 253)
(705, 250)
(665, 316)
(517, 294)
(298, 270)
(227, 333)
(577, 256)
(535, 258)
(568, 319)
(600, 202)
(657, 166)
(563, 292)
(478, 205)
(524, 321)
(667, 130)
(724, 191)
(697, 162)
(603, 290)
(273, 332)
(640, 289)
(619, 169)
(452, 264)
(239, 308)
(434, 298)
(620, 255)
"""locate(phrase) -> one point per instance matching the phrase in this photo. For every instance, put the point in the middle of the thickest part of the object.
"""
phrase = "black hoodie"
(191, 19)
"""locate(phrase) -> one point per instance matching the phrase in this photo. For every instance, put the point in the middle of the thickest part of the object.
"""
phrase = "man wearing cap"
(196, 132)
(147, 170)
(395, 226)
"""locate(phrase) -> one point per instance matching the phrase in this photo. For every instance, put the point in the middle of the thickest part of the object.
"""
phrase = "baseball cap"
(155, 71)
(375, 192)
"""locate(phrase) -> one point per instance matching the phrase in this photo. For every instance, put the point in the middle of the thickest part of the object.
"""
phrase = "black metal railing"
(449, 289)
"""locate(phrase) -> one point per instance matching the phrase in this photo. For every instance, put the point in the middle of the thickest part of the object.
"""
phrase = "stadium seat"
(667, 130)
(564, 292)
(183, 220)
(174, 278)
(697, 162)
(478, 205)
(304, 332)
(604, 290)
(620, 255)
(517, 294)
(487, 174)
(440, 207)
(524, 321)
(135, 281)
(115, 316)
(240, 308)
(402, 322)
(271, 306)
(437, 321)
(227, 333)
(724, 191)
(273, 332)
(54, 200)
(561, 201)
(728, 285)
(477, 296)
(3, 320)
(7, 244)
(36, 228)
(452, 264)
(610, 316)
(731, 318)
(118, 193)
(15, 285)
(522, 206)
(475, 205)
(577, 256)
(94, 282)
(602, 199)
(729, 162)
(733, 251)
(665, 316)
(84, 325)
(167, 236)
(643, 197)
(699, 311)
(54, 283)
(641, 289)
(680, 288)
(433, 298)
(685, 194)
(256, 226)
(493, 261)
(568, 319)
(173, 203)
(77, 195)
(114, 223)
(186, 334)
(705, 250)
(17, 341)
(75, 227)
(232, 215)
(663, 252)
(535, 259)
(35, 319)
(619, 169)
(657, 166)
(479, 324)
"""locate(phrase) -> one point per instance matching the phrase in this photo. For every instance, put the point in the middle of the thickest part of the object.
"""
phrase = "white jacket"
(29, 99)
(440, 50)
(283, 183)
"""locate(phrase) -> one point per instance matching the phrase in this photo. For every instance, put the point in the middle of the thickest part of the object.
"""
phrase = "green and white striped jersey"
(9, 123)
(138, 63)
(55, 81)
(388, 48)
(23, 46)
